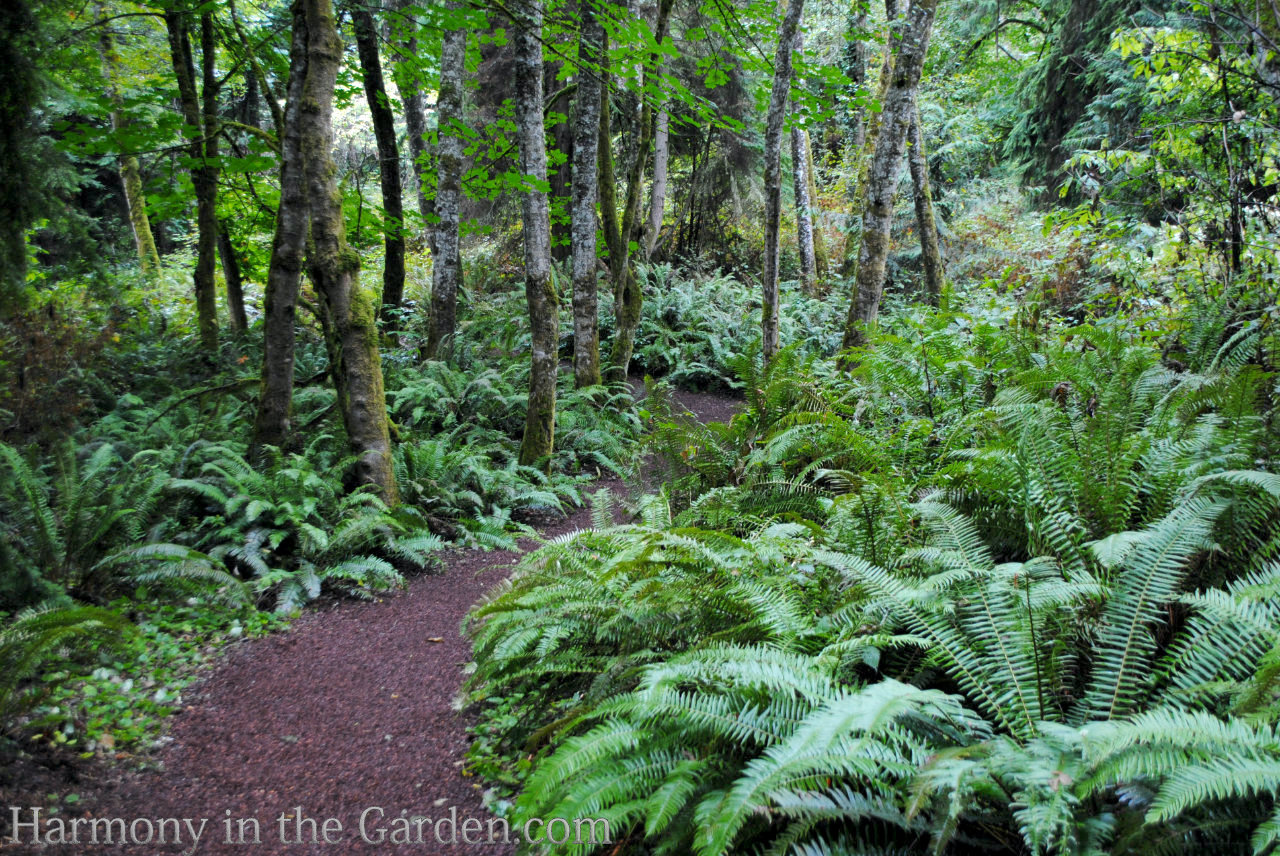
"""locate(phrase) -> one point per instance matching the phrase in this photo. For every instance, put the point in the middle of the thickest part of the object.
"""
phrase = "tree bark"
(658, 193)
(130, 174)
(384, 132)
(885, 170)
(415, 122)
(869, 124)
(234, 279)
(272, 426)
(586, 332)
(558, 170)
(540, 420)
(926, 223)
(804, 211)
(819, 242)
(264, 85)
(447, 268)
(200, 117)
(627, 297)
(855, 62)
(773, 173)
(352, 335)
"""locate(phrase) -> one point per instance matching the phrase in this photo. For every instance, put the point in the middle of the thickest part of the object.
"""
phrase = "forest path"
(351, 711)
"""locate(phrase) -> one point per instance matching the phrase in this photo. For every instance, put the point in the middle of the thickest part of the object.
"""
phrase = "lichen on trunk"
(885, 170)
(773, 174)
(586, 145)
(447, 266)
(926, 222)
(540, 419)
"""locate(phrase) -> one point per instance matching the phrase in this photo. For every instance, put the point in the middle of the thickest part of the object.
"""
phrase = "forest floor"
(353, 710)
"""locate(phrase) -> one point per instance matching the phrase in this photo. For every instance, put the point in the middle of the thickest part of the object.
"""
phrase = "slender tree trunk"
(277, 115)
(540, 421)
(234, 279)
(349, 310)
(886, 168)
(199, 113)
(586, 332)
(804, 211)
(926, 223)
(627, 297)
(819, 241)
(447, 268)
(658, 193)
(384, 132)
(275, 402)
(855, 69)
(559, 160)
(802, 186)
(130, 174)
(773, 172)
(871, 122)
(415, 120)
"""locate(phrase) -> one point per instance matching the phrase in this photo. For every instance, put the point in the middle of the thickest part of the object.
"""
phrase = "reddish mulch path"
(352, 707)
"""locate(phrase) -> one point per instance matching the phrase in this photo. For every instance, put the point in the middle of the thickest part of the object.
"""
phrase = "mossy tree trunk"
(200, 118)
(272, 426)
(384, 134)
(447, 266)
(926, 222)
(540, 421)
(886, 168)
(130, 173)
(773, 173)
(627, 297)
(586, 332)
(869, 123)
(349, 310)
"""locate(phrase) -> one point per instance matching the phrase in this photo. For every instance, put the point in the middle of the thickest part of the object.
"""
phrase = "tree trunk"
(130, 174)
(355, 364)
(234, 279)
(384, 132)
(804, 211)
(819, 241)
(200, 117)
(264, 85)
(415, 120)
(275, 402)
(658, 194)
(886, 168)
(558, 169)
(926, 223)
(446, 273)
(773, 172)
(540, 421)
(586, 332)
(855, 68)
(869, 123)
(627, 297)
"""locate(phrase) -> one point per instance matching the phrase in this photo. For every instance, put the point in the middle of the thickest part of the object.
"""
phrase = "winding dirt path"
(351, 711)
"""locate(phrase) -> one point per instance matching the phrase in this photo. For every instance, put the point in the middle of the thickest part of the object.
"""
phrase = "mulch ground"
(352, 709)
